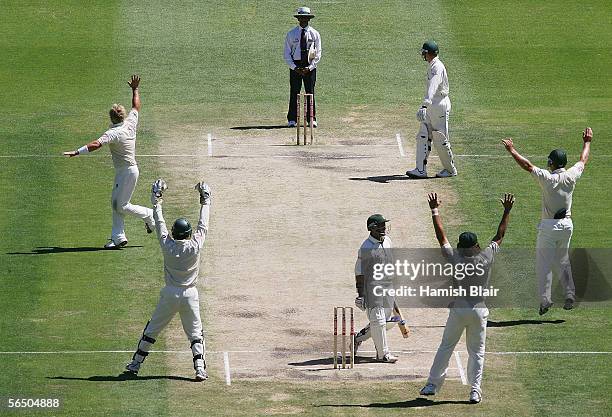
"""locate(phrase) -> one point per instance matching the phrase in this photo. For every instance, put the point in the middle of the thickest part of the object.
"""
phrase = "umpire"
(302, 54)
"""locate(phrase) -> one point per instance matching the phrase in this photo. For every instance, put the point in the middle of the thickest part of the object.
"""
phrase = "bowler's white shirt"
(557, 188)
(292, 46)
(436, 88)
(121, 139)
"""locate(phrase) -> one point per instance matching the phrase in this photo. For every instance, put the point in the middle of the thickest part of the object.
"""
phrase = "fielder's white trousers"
(554, 236)
(377, 329)
(172, 300)
(125, 183)
(474, 321)
(435, 130)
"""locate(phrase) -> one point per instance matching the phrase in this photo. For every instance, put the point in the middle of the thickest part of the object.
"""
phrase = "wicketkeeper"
(181, 253)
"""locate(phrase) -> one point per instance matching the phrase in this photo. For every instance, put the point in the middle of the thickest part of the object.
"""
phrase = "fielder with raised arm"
(121, 139)
(556, 227)
(378, 310)
(433, 115)
(181, 253)
(466, 313)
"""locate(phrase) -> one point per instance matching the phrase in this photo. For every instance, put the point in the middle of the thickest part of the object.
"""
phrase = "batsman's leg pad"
(445, 153)
(423, 147)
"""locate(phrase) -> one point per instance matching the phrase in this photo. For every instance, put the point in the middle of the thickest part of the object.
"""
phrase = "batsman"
(433, 117)
(376, 248)
(181, 253)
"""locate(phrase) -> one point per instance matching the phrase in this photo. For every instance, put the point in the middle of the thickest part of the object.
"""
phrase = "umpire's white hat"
(303, 12)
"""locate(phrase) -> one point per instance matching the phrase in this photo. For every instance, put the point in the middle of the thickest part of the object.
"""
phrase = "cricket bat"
(401, 323)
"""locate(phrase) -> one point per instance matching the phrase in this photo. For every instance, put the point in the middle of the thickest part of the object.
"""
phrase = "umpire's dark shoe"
(544, 308)
(569, 304)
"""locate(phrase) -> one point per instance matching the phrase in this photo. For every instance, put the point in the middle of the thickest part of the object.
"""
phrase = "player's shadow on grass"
(122, 377)
(510, 323)
(383, 179)
(260, 127)
(46, 250)
(417, 402)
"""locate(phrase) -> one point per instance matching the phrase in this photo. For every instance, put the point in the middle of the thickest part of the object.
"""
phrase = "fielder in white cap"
(433, 115)
(302, 53)
(121, 139)
(556, 227)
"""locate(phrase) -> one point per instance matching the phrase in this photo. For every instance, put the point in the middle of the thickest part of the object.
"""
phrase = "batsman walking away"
(181, 253)
(121, 139)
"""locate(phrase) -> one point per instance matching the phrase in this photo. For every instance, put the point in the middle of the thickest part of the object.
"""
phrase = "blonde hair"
(117, 113)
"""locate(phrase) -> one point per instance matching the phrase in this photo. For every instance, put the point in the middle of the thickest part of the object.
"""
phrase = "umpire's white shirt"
(557, 188)
(292, 50)
(121, 139)
(181, 257)
(436, 88)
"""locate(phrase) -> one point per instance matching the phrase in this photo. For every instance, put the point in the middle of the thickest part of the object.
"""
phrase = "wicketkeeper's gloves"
(204, 191)
(157, 189)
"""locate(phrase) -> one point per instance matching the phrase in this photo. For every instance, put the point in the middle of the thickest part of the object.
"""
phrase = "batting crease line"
(399, 144)
(460, 367)
(277, 156)
(213, 352)
(226, 366)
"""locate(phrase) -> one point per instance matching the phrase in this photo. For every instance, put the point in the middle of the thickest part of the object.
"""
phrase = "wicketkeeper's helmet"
(430, 46)
(181, 229)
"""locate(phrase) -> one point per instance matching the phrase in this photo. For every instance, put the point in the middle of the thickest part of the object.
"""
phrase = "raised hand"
(507, 201)
(432, 199)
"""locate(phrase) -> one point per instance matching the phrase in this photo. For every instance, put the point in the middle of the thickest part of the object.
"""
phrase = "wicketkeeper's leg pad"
(197, 349)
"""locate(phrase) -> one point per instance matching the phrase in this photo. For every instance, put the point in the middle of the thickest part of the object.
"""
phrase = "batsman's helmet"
(376, 220)
(430, 46)
(181, 229)
(558, 157)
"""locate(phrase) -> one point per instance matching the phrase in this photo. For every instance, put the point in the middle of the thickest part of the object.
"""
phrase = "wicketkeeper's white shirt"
(121, 139)
(181, 257)
(557, 188)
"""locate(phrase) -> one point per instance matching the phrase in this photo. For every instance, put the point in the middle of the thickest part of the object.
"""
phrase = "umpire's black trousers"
(295, 81)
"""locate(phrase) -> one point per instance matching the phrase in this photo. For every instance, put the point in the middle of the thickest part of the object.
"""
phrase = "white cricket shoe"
(133, 367)
(389, 358)
(291, 123)
(429, 389)
(417, 174)
(475, 397)
(445, 174)
(314, 123)
(112, 245)
(201, 374)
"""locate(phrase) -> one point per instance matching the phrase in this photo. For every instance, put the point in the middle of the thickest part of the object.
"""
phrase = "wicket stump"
(308, 100)
(352, 337)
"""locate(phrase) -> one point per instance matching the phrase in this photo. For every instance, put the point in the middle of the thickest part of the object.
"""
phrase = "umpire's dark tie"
(303, 49)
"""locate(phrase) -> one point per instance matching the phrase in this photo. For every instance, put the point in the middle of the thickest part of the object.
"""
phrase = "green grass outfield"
(533, 71)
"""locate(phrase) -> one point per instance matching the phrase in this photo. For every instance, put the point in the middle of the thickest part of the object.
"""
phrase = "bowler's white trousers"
(125, 183)
(554, 236)
(474, 321)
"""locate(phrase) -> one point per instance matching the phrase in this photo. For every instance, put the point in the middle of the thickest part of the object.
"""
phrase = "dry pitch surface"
(286, 225)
